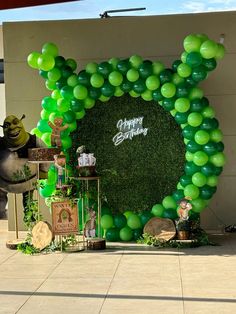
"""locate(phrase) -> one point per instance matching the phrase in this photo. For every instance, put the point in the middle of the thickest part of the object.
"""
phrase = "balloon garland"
(174, 89)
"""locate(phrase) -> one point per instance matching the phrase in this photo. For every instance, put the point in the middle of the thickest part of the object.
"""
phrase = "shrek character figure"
(57, 128)
(17, 175)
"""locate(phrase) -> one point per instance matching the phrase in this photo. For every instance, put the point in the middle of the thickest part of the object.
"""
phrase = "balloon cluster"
(125, 227)
(175, 89)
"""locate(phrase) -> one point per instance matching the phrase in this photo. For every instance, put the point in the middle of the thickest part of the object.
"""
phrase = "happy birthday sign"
(128, 129)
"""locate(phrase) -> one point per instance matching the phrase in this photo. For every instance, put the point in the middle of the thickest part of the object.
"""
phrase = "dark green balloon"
(206, 192)
(181, 117)
(165, 76)
(170, 213)
(210, 148)
(220, 146)
(126, 86)
(67, 92)
(194, 59)
(112, 235)
(69, 116)
(182, 90)
(76, 105)
(218, 171)
(190, 168)
(66, 71)
(123, 66)
(208, 169)
(196, 105)
(139, 86)
(210, 64)
(175, 65)
(137, 233)
(199, 73)
(104, 68)
(157, 95)
(84, 78)
(43, 74)
(178, 194)
(188, 132)
(168, 103)
(94, 92)
(107, 89)
(193, 147)
(145, 216)
(209, 124)
(185, 180)
(120, 221)
(190, 81)
(59, 61)
(205, 101)
(145, 69)
(61, 83)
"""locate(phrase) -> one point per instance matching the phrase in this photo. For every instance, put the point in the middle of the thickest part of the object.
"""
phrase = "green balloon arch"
(175, 89)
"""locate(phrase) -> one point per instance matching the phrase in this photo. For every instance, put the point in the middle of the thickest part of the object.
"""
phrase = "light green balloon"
(198, 205)
(135, 61)
(147, 95)
(118, 92)
(212, 181)
(176, 79)
(189, 156)
(37, 132)
(157, 67)
(192, 43)
(134, 94)
(104, 98)
(97, 80)
(208, 112)
(91, 67)
(169, 202)
(216, 135)
(89, 103)
(157, 210)
(114, 62)
(200, 158)
(46, 138)
(46, 62)
(168, 90)
(184, 70)
(152, 82)
(80, 114)
(208, 49)
(199, 179)
(72, 80)
(32, 59)
(182, 104)
(80, 92)
(191, 191)
(195, 119)
(63, 105)
(132, 75)
(50, 49)
(184, 56)
(220, 52)
(201, 137)
(107, 221)
(54, 74)
(115, 78)
(218, 159)
(195, 93)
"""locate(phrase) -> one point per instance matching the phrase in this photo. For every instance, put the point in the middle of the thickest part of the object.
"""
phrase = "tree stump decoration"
(41, 235)
(160, 228)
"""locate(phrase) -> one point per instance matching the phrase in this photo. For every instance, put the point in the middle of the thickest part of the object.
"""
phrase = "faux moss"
(138, 173)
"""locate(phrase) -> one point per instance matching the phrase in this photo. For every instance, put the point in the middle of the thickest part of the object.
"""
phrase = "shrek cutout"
(14, 131)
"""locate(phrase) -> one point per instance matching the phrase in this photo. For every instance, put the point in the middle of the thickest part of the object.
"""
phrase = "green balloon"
(168, 104)
(199, 179)
(199, 73)
(152, 82)
(145, 69)
(216, 135)
(80, 92)
(123, 66)
(139, 86)
(200, 158)
(37, 132)
(193, 147)
(52, 177)
(97, 80)
(73, 80)
(32, 59)
(46, 138)
(69, 116)
(54, 74)
(184, 70)
(182, 104)
(192, 43)
(106, 221)
(147, 95)
(169, 202)
(206, 192)
(218, 159)
(208, 169)
(208, 49)
(178, 194)
(104, 68)
(168, 90)
(135, 61)
(118, 92)
(195, 93)
(44, 114)
(47, 190)
(77, 105)
(91, 67)
(46, 62)
(126, 234)
(114, 62)
(202, 137)
(196, 105)
(184, 56)
(210, 148)
(67, 92)
(191, 191)
(63, 105)
(189, 156)
(198, 205)
(107, 89)
(71, 63)
(79, 115)
(43, 126)
(112, 235)
(89, 103)
(208, 112)
(137, 233)
(132, 75)
(157, 67)
(145, 216)
(212, 180)
(50, 49)
(170, 213)
(195, 119)
(176, 79)
(128, 213)
(157, 210)
(49, 104)
(194, 59)
(209, 64)
(185, 180)
(115, 78)
(134, 221)
(120, 221)
(220, 52)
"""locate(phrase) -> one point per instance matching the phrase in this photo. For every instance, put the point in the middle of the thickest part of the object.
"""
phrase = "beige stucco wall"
(156, 37)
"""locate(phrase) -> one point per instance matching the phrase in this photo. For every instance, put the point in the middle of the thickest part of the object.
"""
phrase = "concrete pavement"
(125, 278)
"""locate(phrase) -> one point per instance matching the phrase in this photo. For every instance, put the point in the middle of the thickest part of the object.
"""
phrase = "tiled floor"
(125, 278)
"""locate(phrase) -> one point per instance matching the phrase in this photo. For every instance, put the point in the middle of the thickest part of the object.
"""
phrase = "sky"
(92, 8)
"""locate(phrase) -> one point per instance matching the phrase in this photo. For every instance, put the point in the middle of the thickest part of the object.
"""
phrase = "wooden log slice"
(41, 235)
(96, 244)
(12, 244)
(160, 228)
